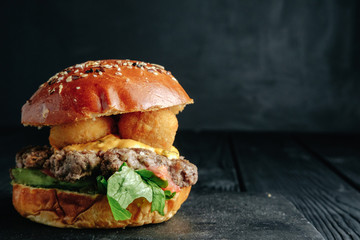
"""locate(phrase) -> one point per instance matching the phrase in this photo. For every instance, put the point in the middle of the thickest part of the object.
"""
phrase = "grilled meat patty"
(73, 165)
(33, 156)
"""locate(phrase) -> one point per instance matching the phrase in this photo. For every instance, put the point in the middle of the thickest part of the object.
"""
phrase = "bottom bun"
(65, 209)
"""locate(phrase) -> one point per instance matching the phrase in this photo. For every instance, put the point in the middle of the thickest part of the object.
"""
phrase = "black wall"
(249, 65)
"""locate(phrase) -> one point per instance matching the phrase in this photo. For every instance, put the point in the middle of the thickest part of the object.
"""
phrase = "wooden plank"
(210, 152)
(340, 152)
(206, 215)
(276, 164)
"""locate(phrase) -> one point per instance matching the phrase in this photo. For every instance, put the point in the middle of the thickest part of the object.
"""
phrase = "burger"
(111, 162)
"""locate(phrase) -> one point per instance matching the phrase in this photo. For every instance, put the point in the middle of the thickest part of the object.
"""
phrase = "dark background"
(249, 65)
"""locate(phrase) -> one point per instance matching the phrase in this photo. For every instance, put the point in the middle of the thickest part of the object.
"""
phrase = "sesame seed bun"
(76, 103)
(64, 209)
(102, 88)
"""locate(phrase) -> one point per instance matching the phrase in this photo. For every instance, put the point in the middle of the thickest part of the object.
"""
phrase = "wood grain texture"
(207, 215)
(211, 153)
(340, 152)
(276, 164)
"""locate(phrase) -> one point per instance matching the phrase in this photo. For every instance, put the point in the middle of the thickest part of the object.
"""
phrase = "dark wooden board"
(276, 164)
(340, 152)
(204, 216)
(211, 153)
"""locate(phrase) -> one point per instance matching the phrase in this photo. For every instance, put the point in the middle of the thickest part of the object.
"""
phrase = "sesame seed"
(95, 75)
(52, 80)
(45, 111)
(157, 65)
(69, 79)
(127, 80)
(76, 71)
(85, 75)
(60, 88)
(119, 69)
(100, 73)
(75, 100)
(77, 87)
(156, 73)
(60, 78)
(107, 66)
(118, 73)
(93, 64)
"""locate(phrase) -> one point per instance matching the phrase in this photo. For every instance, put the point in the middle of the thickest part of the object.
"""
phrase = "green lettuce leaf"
(118, 212)
(149, 175)
(169, 195)
(101, 184)
(158, 201)
(123, 188)
(126, 185)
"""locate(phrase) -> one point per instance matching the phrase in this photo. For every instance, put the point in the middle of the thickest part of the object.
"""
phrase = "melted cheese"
(112, 141)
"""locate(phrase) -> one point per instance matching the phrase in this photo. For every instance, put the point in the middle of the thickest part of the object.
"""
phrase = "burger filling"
(159, 174)
(86, 156)
(71, 165)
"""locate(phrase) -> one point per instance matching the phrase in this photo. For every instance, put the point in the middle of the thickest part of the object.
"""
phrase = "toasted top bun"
(101, 88)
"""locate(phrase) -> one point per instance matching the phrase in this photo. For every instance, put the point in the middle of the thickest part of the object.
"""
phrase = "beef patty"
(73, 165)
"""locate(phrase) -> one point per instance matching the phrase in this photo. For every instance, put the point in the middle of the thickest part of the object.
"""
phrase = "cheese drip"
(112, 141)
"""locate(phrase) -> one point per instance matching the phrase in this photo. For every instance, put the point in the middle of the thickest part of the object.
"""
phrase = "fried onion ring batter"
(154, 128)
(80, 132)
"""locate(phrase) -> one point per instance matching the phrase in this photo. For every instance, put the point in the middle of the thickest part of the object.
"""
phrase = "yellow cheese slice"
(112, 141)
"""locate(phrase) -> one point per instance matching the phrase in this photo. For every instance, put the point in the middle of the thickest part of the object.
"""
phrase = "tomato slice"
(47, 172)
(162, 173)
